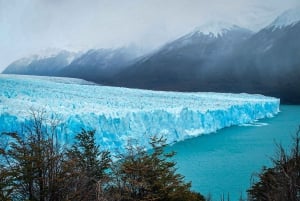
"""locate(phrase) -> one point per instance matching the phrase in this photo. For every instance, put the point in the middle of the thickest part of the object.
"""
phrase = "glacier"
(120, 115)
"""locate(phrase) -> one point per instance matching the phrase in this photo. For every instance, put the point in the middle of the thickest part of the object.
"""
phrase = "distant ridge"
(288, 18)
(218, 57)
(215, 29)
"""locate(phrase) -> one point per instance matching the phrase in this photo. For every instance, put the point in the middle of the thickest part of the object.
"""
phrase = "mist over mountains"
(49, 64)
(100, 65)
(217, 57)
(186, 62)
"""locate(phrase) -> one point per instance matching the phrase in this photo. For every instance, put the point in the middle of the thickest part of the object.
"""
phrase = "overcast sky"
(29, 26)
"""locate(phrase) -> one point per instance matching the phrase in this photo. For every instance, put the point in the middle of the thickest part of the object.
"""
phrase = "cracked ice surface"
(121, 114)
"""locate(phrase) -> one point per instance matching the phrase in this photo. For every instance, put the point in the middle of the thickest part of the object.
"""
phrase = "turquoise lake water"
(223, 162)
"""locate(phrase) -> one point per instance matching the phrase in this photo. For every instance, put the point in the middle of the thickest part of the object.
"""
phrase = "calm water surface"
(223, 162)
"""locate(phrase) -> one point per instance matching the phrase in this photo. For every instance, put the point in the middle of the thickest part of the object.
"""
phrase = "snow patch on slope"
(22, 63)
(215, 29)
(288, 18)
(121, 114)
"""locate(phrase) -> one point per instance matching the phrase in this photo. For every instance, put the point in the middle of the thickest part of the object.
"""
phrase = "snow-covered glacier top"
(288, 18)
(121, 114)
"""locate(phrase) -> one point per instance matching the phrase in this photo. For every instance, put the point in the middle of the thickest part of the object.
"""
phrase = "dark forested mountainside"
(266, 62)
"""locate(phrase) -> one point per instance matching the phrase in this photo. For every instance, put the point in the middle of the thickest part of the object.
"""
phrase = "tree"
(282, 181)
(33, 163)
(88, 167)
(34, 167)
(145, 176)
(6, 184)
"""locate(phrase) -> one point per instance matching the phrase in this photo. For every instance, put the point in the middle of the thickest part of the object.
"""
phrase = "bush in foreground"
(282, 181)
(35, 167)
(145, 176)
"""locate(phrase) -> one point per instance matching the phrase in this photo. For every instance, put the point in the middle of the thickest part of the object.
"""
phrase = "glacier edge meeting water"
(120, 115)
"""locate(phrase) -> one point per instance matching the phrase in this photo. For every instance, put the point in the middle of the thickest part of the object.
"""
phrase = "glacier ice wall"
(119, 114)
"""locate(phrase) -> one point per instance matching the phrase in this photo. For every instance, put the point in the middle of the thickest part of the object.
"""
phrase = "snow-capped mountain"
(216, 32)
(45, 63)
(99, 65)
(215, 29)
(268, 62)
(178, 64)
(288, 18)
(96, 65)
(226, 58)
(217, 57)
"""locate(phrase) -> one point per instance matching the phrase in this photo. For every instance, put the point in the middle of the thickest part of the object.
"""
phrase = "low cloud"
(29, 26)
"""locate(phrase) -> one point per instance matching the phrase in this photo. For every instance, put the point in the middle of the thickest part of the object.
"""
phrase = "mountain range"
(217, 57)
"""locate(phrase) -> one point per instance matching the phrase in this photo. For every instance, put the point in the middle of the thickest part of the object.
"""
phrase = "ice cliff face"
(121, 114)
